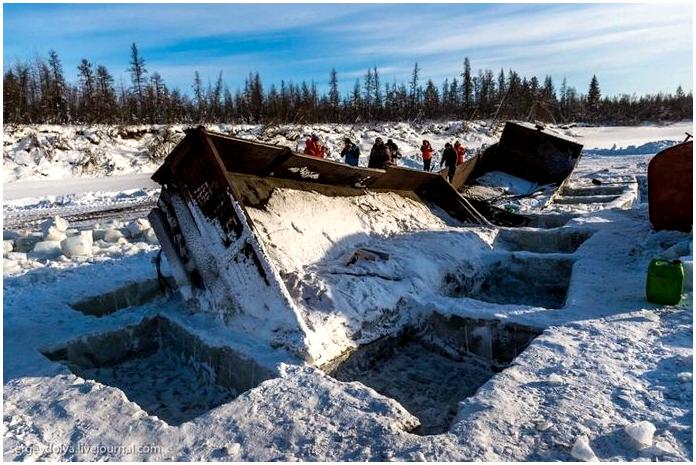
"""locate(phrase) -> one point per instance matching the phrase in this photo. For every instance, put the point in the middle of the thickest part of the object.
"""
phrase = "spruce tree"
(594, 95)
(137, 71)
(334, 95)
(467, 87)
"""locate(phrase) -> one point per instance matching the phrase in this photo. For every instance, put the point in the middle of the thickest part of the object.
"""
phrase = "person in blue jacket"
(350, 152)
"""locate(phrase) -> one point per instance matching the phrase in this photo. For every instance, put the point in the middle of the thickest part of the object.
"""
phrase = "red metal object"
(670, 188)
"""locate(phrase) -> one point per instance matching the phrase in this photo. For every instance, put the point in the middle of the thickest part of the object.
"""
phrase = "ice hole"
(548, 221)
(430, 369)
(513, 279)
(584, 191)
(584, 199)
(563, 240)
(131, 294)
(167, 371)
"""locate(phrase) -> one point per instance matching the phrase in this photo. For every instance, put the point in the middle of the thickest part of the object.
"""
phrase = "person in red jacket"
(461, 152)
(313, 147)
(427, 153)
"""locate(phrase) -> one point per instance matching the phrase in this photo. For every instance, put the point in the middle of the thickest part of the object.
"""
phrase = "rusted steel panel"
(247, 157)
(201, 178)
(670, 188)
(441, 193)
(164, 174)
(464, 172)
(403, 179)
(316, 170)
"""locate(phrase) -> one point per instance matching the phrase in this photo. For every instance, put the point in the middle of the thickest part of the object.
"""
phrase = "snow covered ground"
(605, 362)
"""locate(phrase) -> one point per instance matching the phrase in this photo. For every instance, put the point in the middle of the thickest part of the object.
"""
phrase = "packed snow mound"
(349, 262)
(56, 152)
(301, 227)
(509, 183)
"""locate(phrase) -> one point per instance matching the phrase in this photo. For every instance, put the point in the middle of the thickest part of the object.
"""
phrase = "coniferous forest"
(42, 91)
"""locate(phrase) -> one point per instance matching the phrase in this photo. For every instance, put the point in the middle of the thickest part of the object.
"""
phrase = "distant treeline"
(38, 92)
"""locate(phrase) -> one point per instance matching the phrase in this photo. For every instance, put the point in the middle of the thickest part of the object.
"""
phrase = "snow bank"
(649, 148)
(55, 152)
(608, 137)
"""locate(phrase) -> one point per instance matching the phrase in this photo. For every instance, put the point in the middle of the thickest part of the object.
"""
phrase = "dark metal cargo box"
(526, 151)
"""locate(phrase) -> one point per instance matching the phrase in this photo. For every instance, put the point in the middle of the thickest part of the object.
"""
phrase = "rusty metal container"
(211, 242)
(670, 188)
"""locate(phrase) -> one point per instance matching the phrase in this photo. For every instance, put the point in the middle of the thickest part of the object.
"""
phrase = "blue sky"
(632, 48)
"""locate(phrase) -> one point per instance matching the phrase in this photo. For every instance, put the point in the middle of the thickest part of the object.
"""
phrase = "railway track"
(78, 215)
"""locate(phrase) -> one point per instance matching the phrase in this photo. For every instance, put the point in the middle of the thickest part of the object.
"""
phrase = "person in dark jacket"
(350, 152)
(394, 149)
(380, 156)
(449, 159)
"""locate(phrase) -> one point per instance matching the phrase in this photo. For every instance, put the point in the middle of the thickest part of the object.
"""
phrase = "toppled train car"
(529, 152)
(212, 243)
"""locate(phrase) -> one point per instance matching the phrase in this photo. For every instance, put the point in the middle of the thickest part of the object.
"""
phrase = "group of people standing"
(387, 154)
(452, 156)
(381, 155)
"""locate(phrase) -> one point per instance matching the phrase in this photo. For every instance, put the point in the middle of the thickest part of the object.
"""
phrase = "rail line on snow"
(78, 215)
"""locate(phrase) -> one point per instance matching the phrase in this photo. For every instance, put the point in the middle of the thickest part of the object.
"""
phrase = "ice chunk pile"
(54, 229)
(582, 451)
(642, 433)
(77, 245)
(56, 243)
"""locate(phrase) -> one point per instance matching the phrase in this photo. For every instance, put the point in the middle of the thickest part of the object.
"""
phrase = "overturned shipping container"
(212, 244)
(526, 151)
(240, 223)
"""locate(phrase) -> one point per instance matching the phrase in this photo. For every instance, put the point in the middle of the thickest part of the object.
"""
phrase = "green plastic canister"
(665, 282)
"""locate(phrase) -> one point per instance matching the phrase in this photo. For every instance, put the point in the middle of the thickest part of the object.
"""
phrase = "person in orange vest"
(427, 154)
(461, 152)
(313, 147)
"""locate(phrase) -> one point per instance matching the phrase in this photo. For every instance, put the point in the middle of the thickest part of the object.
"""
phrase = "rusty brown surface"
(464, 171)
(200, 164)
(670, 188)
